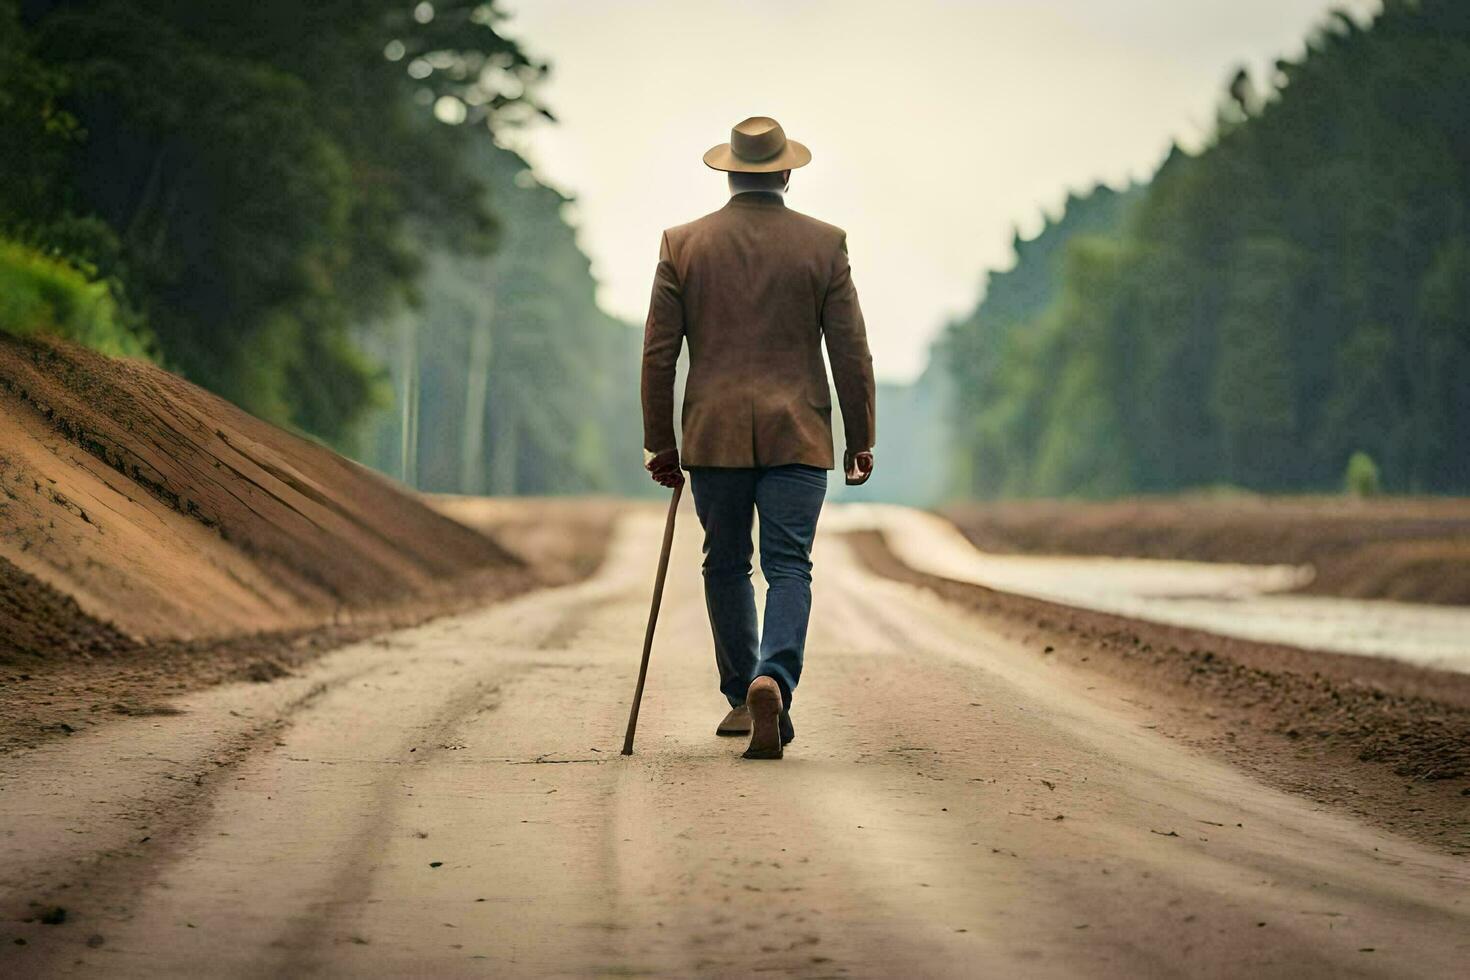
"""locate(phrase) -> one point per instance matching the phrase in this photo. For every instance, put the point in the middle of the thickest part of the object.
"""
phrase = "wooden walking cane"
(658, 595)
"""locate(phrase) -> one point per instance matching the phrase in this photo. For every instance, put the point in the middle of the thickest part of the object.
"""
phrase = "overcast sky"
(937, 127)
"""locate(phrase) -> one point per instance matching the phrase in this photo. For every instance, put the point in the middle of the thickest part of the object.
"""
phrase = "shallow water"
(1234, 600)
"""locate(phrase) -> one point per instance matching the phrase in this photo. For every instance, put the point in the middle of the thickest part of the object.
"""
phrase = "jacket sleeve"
(847, 352)
(663, 335)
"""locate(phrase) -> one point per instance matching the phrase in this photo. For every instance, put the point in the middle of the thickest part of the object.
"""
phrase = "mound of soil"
(563, 538)
(35, 617)
(136, 508)
(1388, 740)
(1409, 549)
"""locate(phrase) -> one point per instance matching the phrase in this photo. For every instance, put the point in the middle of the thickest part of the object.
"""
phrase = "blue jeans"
(788, 499)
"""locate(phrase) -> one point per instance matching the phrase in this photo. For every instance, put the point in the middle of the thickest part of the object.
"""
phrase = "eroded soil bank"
(169, 514)
(1409, 549)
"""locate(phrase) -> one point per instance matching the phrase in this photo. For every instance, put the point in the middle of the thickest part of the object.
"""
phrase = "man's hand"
(857, 467)
(664, 468)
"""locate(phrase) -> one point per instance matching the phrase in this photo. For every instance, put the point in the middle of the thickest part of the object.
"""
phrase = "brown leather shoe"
(737, 722)
(764, 701)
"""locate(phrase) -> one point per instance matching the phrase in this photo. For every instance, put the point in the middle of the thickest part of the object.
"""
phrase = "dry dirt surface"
(1409, 549)
(449, 800)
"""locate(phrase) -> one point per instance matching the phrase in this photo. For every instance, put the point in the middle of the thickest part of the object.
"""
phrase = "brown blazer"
(754, 287)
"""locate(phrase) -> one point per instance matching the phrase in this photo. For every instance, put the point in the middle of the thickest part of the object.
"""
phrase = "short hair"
(741, 182)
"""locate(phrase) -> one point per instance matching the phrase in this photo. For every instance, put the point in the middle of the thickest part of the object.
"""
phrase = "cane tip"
(628, 750)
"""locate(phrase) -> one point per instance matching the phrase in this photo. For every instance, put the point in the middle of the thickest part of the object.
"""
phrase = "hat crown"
(758, 145)
(757, 138)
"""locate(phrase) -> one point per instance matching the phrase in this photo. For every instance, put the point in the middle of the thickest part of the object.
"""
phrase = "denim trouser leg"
(789, 499)
(724, 499)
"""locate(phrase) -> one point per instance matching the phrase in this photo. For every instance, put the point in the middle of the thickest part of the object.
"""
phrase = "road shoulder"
(50, 699)
(1386, 742)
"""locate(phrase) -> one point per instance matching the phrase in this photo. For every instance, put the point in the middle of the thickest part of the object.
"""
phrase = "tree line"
(271, 193)
(1296, 292)
(515, 381)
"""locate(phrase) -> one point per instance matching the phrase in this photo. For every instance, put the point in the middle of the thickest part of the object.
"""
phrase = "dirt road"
(449, 801)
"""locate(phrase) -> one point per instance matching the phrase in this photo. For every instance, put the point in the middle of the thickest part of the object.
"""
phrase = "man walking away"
(754, 288)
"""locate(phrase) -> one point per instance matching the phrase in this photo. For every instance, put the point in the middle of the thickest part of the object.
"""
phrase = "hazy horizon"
(988, 115)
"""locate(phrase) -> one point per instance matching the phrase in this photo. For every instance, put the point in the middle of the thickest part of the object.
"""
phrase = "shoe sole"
(764, 701)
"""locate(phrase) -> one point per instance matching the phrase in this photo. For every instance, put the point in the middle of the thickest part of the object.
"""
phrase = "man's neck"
(743, 184)
(773, 191)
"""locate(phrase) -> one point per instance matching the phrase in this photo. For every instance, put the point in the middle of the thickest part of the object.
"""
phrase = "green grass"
(41, 295)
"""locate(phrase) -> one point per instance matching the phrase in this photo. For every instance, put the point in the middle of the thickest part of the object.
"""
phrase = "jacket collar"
(757, 199)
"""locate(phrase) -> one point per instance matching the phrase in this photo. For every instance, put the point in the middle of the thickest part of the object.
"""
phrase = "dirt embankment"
(155, 538)
(1409, 549)
(1389, 741)
(168, 513)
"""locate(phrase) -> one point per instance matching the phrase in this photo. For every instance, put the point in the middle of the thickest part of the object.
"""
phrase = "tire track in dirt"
(183, 802)
(163, 807)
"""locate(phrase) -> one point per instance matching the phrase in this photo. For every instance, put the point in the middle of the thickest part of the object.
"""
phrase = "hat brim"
(792, 155)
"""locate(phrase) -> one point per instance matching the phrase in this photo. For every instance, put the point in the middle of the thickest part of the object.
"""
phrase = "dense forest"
(515, 381)
(1293, 294)
(1005, 362)
(269, 198)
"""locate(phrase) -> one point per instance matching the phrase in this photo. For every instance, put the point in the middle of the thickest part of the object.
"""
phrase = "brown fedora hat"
(758, 145)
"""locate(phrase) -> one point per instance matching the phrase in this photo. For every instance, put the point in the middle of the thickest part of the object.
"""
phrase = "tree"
(270, 173)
